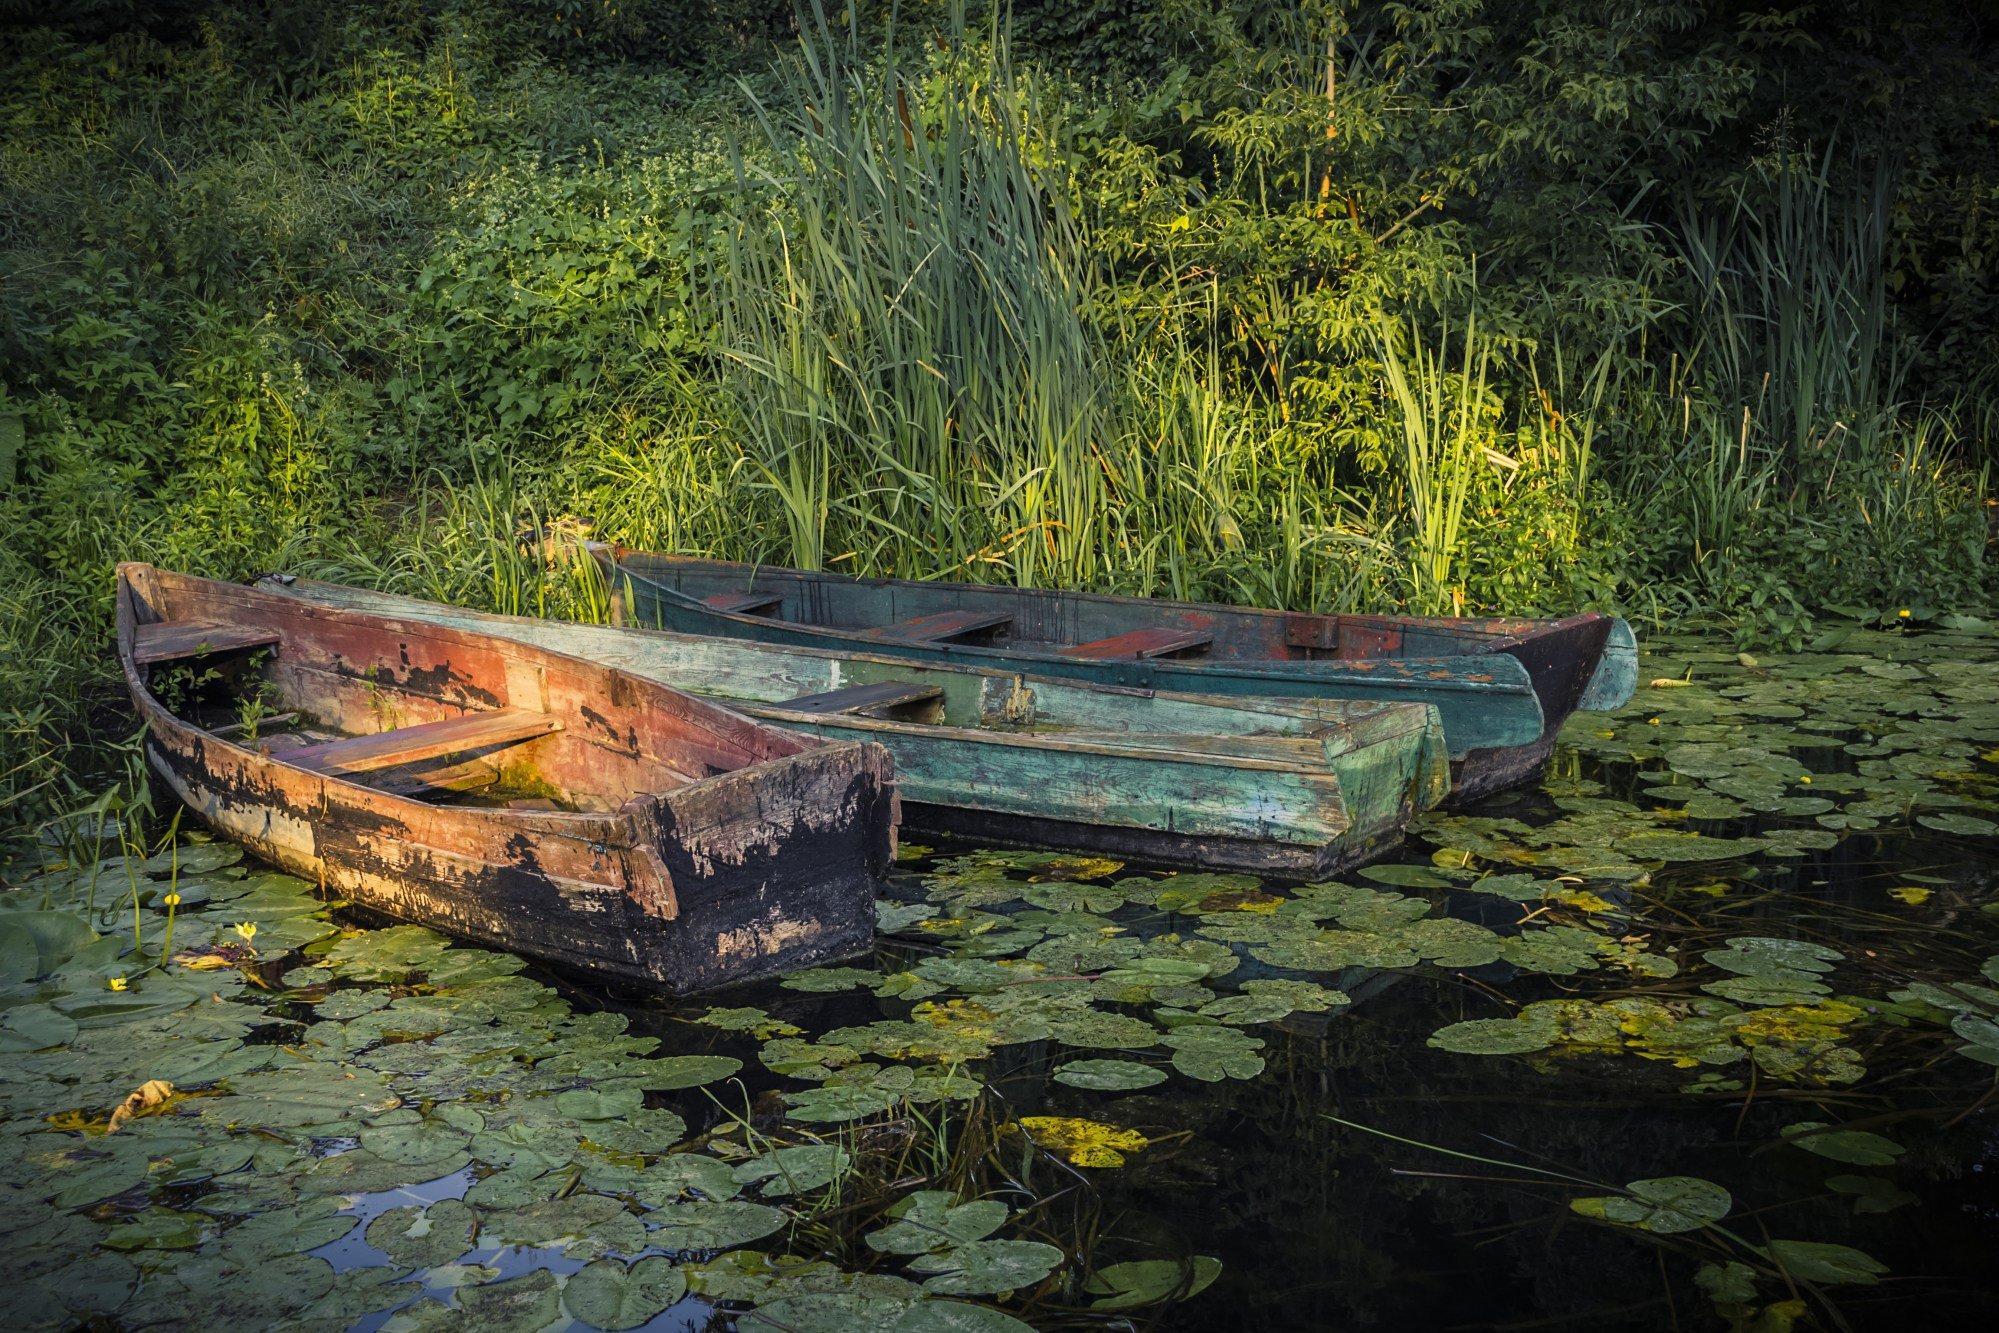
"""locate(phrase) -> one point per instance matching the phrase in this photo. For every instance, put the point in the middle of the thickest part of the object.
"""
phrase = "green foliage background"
(1689, 310)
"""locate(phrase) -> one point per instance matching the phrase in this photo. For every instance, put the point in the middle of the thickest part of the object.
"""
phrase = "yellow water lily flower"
(246, 929)
(171, 900)
(116, 983)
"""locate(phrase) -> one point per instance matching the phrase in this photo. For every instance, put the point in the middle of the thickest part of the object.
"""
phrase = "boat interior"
(1061, 624)
(426, 713)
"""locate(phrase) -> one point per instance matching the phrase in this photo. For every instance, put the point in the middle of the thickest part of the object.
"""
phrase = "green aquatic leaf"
(1666, 1204)
(986, 1267)
(753, 1021)
(395, 953)
(156, 1229)
(341, 1005)
(414, 1144)
(1969, 826)
(193, 859)
(1768, 990)
(933, 1219)
(424, 1237)
(831, 980)
(365, 1173)
(681, 1173)
(36, 1027)
(1131, 1286)
(1108, 1075)
(608, 1295)
(701, 1225)
(618, 1101)
(1871, 1194)
(1527, 1031)
(1098, 1030)
(892, 918)
(1828, 1265)
(517, 1187)
(516, 1305)
(1556, 951)
(587, 1225)
(671, 1072)
(834, 1105)
(798, 1170)
(1857, 1147)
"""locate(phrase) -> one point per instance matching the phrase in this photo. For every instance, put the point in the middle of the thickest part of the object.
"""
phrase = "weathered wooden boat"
(504, 793)
(1504, 687)
(1299, 787)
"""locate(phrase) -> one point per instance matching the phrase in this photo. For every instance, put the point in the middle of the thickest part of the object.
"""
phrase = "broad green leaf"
(609, 1295)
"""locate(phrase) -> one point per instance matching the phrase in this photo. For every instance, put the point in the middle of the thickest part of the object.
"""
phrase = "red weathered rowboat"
(507, 794)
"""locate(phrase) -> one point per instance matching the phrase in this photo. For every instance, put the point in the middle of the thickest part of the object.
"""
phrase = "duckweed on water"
(1063, 1079)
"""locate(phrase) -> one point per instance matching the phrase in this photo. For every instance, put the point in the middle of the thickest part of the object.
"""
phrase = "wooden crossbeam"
(859, 698)
(429, 783)
(745, 603)
(169, 640)
(1140, 643)
(943, 625)
(429, 740)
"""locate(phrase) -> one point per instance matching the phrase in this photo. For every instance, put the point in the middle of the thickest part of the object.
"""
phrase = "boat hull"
(1502, 687)
(769, 866)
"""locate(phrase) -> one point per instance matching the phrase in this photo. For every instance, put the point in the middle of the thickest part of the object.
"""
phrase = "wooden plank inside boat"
(408, 745)
(944, 625)
(171, 640)
(1142, 643)
(881, 695)
(745, 603)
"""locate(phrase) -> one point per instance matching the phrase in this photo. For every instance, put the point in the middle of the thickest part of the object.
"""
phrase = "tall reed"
(1443, 439)
(912, 378)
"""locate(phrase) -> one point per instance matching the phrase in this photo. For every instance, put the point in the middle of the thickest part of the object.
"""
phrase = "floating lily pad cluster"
(281, 1095)
(1871, 730)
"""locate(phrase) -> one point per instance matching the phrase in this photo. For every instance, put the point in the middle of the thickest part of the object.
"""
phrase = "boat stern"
(770, 868)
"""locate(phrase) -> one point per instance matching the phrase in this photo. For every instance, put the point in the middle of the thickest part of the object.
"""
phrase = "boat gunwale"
(1517, 630)
(1302, 709)
(1331, 671)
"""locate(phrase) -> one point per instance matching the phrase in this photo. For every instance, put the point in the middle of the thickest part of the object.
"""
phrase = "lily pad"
(1829, 1265)
(1857, 1147)
(986, 1267)
(1109, 1075)
(699, 1225)
(610, 1295)
(1130, 1286)
(1666, 1205)
(933, 1220)
(420, 1237)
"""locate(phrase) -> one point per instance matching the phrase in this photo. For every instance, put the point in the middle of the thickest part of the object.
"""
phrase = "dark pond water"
(1700, 1034)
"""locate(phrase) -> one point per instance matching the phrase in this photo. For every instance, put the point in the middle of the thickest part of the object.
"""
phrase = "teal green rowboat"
(1503, 686)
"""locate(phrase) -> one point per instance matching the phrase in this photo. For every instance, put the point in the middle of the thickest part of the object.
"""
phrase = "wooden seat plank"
(168, 640)
(428, 740)
(745, 603)
(1140, 643)
(429, 783)
(855, 698)
(943, 625)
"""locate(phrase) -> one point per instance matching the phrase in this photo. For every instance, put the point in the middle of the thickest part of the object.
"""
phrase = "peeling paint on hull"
(717, 850)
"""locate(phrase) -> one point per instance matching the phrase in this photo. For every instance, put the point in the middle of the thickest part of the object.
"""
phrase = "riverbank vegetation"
(1691, 312)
